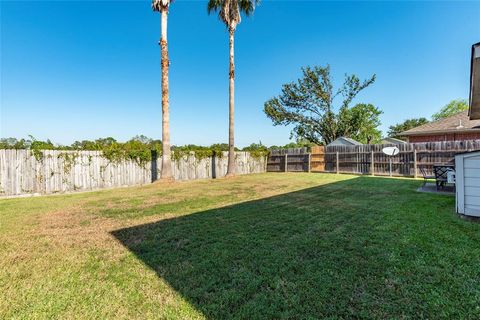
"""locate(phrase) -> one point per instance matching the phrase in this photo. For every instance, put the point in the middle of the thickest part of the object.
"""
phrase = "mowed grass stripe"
(258, 246)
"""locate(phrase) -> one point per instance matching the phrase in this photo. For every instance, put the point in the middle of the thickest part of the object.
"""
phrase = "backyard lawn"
(258, 246)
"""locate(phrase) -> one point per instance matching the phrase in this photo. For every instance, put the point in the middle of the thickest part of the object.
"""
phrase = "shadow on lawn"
(322, 251)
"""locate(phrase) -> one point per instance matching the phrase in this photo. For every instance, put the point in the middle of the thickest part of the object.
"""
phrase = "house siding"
(444, 137)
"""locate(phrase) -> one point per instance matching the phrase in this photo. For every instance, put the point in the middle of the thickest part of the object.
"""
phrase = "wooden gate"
(317, 160)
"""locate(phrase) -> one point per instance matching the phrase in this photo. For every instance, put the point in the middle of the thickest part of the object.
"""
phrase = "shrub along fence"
(55, 171)
(369, 159)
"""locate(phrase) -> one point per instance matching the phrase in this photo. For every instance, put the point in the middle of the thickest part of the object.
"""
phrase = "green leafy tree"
(361, 123)
(453, 107)
(257, 150)
(300, 143)
(308, 104)
(256, 147)
(14, 143)
(229, 12)
(143, 139)
(41, 145)
(84, 145)
(99, 144)
(219, 146)
(395, 130)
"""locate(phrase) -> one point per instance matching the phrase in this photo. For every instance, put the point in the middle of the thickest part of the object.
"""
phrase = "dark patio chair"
(441, 175)
(426, 176)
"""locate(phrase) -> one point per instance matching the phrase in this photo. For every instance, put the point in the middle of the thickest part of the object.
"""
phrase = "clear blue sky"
(83, 70)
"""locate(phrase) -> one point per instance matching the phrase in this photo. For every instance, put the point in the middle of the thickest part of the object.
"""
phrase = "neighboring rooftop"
(459, 122)
(344, 141)
(389, 140)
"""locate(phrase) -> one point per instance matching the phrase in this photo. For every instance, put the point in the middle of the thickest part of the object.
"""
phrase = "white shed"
(467, 167)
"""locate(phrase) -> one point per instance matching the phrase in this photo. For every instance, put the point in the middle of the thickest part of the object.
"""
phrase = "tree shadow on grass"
(317, 252)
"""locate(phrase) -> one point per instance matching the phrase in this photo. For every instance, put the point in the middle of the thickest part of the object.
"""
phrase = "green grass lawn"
(262, 246)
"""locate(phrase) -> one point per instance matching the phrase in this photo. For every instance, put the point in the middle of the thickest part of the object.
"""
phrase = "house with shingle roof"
(458, 127)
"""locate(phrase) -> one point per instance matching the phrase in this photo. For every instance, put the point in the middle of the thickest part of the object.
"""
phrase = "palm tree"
(162, 7)
(229, 12)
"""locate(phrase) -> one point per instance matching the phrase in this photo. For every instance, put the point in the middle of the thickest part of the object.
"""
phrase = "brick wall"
(445, 137)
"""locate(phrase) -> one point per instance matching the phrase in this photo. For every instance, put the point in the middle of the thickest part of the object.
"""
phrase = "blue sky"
(83, 70)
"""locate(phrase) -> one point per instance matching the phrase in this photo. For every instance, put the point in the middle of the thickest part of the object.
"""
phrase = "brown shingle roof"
(459, 122)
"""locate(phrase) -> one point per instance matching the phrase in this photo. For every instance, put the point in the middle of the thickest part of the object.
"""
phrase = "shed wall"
(472, 184)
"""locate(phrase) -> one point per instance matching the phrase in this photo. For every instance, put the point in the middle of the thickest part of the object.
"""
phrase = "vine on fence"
(38, 154)
(138, 149)
(68, 161)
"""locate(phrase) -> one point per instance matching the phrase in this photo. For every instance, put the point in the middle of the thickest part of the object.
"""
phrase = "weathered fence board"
(412, 157)
(289, 160)
(290, 151)
(66, 171)
(369, 159)
(317, 159)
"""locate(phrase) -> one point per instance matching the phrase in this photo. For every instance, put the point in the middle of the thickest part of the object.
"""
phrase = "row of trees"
(362, 117)
(138, 143)
(229, 12)
(90, 145)
(453, 107)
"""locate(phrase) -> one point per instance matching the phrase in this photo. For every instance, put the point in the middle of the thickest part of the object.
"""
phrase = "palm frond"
(161, 5)
(248, 6)
(214, 6)
(229, 11)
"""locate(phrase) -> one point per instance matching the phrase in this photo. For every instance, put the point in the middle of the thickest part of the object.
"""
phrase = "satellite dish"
(391, 151)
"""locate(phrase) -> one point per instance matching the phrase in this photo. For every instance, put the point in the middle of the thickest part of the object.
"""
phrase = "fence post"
(286, 162)
(309, 160)
(338, 166)
(372, 164)
(415, 163)
(153, 166)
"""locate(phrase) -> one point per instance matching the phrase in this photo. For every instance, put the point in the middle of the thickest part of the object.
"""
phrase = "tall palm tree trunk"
(166, 156)
(231, 141)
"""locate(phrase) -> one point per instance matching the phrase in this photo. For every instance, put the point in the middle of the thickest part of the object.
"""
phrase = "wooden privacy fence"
(317, 159)
(65, 171)
(369, 159)
(289, 160)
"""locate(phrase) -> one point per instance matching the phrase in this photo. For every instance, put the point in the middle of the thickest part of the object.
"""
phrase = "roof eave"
(474, 101)
(422, 133)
